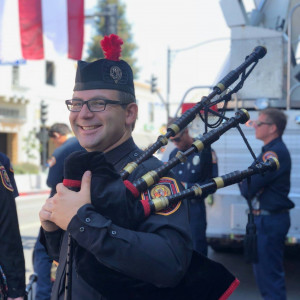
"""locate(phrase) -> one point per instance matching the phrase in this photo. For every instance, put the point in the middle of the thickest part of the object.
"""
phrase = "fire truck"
(274, 82)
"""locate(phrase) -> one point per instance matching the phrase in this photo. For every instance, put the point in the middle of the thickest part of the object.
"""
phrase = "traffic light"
(153, 84)
(44, 112)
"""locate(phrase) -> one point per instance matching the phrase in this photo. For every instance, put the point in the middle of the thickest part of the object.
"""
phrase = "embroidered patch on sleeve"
(5, 179)
(214, 157)
(268, 155)
(51, 161)
(165, 187)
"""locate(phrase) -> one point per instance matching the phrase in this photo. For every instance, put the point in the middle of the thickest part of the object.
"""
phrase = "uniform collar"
(118, 153)
(272, 143)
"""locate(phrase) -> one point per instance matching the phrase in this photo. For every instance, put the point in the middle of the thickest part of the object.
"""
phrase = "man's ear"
(56, 135)
(131, 113)
(273, 128)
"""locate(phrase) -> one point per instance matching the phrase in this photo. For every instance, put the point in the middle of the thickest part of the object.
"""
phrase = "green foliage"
(31, 144)
(26, 168)
(124, 31)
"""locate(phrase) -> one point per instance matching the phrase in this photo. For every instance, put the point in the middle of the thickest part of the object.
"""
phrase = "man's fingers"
(86, 182)
(60, 188)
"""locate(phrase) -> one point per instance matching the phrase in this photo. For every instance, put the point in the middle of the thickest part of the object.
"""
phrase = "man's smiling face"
(99, 131)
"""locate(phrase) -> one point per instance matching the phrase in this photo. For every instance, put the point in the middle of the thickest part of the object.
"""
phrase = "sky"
(179, 25)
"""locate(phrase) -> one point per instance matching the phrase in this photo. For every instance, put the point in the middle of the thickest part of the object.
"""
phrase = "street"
(28, 208)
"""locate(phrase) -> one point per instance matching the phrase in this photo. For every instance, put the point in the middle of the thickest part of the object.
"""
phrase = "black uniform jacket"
(272, 188)
(11, 249)
(157, 253)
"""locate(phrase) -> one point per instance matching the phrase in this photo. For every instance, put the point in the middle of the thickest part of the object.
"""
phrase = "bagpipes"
(116, 198)
(29, 287)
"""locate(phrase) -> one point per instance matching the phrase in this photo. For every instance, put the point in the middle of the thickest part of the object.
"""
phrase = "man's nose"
(85, 110)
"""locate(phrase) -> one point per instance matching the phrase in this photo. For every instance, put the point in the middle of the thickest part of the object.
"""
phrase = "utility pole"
(110, 13)
(111, 19)
(43, 132)
(168, 80)
(153, 85)
(169, 53)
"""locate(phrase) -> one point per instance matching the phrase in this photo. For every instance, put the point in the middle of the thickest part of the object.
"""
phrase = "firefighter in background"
(12, 264)
(269, 195)
(199, 168)
(61, 136)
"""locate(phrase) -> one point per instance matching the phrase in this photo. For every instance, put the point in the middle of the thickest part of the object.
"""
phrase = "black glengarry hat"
(107, 73)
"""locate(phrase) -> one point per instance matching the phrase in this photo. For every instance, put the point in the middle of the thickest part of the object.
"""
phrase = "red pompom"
(111, 46)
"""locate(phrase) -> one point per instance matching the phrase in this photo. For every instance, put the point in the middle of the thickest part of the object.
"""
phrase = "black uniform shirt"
(198, 168)
(272, 188)
(158, 252)
(11, 249)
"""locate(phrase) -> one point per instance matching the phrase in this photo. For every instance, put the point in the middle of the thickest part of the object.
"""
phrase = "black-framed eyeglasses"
(94, 105)
(259, 123)
(177, 139)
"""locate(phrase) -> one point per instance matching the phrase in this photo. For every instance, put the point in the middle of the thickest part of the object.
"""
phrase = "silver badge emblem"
(115, 73)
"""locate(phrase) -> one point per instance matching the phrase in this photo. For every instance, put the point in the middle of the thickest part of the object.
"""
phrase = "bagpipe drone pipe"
(118, 199)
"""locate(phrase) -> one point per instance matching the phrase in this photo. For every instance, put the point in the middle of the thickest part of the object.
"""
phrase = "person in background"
(269, 195)
(65, 143)
(199, 168)
(12, 261)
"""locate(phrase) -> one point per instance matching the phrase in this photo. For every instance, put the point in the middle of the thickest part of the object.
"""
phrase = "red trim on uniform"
(230, 290)
(75, 28)
(31, 29)
(134, 191)
(146, 207)
(72, 183)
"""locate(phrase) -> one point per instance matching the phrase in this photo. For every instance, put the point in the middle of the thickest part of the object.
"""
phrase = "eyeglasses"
(177, 139)
(94, 105)
(252, 123)
(258, 123)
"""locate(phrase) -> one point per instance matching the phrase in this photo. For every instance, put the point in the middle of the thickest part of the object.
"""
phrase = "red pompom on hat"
(106, 73)
(111, 46)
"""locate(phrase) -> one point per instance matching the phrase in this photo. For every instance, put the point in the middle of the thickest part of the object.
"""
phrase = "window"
(15, 75)
(50, 73)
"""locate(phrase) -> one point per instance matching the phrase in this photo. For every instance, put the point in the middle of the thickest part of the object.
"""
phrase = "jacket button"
(87, 220)
(81, 229)
(113, 232)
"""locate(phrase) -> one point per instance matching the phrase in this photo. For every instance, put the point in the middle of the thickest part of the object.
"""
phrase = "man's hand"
(64, 205)
(45, 217)
(19, 298)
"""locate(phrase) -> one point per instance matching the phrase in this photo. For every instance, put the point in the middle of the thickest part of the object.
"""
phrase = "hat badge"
(115, 73)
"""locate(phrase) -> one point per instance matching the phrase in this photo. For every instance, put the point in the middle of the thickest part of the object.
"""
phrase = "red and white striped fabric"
(41, 29)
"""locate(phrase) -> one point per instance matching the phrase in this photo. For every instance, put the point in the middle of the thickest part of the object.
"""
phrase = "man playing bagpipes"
(103, 251)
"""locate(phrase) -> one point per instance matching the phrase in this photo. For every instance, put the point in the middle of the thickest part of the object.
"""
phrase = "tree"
(31, 145)
(123, 30)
